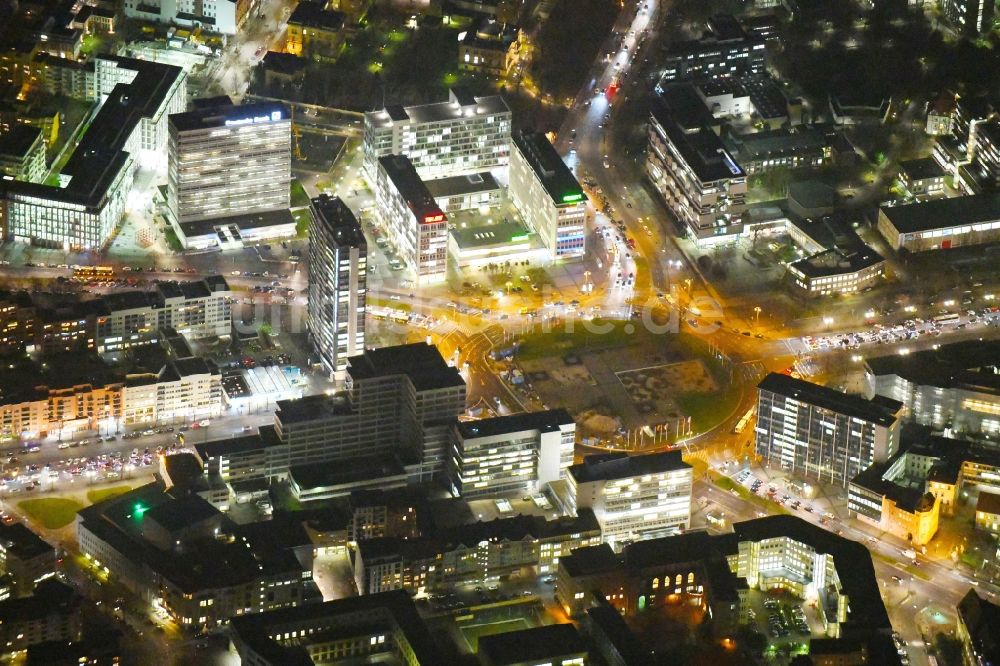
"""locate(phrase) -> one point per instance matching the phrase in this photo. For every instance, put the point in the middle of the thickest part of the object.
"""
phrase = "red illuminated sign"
(434, 218)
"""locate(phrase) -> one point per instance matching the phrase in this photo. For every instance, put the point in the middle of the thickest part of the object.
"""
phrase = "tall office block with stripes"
(821, 433)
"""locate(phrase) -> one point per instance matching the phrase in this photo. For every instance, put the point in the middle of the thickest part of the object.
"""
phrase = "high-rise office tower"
(338, 268)
(226, 160)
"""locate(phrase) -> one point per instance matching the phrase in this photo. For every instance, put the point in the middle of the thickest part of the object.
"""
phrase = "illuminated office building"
(227, 160)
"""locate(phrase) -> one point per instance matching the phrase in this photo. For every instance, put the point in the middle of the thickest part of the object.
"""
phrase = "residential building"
(130, 126)
(951, 387)
(977, 628)
(227, 161)
(314, 32)
(219, 16)
(396, 413)
(466, 134)
(491, 48)
(838, 271)
(808, 429)
(941, 224)
(467, 192)
(171, 545)
(714, 573)
(338, 270)
(373, 627)
(22, 154)
(697, 178)
(553, 644)
(469, 554)
(634, 497)
(414, 223)
(25, 560)
(969, 17)
(547, 194)
(728, 50)
(888, 498)
(507, 455)
(988, 512)
(923, 176)
(52, 613)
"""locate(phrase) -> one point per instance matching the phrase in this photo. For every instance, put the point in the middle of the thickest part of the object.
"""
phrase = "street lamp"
(756, 312)
(687, 282)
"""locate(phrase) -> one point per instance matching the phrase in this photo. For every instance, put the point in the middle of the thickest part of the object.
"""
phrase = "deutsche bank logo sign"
(253, 120)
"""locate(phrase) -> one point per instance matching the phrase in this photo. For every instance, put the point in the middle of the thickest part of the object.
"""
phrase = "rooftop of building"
(944, 213)
(777, 142)
(460, 104)
(679, 111)
(909, 499)
(491, 34)
(312, 407)
(26, 380)
(50, 597)
(264, 437)
(287, 64)
(206, 117)
(982, 622)
(837, 262)
(879, 410)
(488, 235)
(18, 541)
(18, 140)
(313, 15)
(534, 645)
(550, 169)
(345, 471)
(99, 648)
(920, 169)
(609, 622)
(547, 421)
(396, 607)
(970, 365)
(454, 186)
(335, 222)
(242, 221)
(182, 512)
(403, 175)
(609, 466)
(420, 362)
(988, 503)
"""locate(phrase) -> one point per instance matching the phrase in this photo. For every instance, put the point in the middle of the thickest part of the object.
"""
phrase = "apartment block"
(414, 223)
(633, 497)
(338, 274)
(548, 196)
(466, 134)
(818, 432)
(509, 455)
(697, 178)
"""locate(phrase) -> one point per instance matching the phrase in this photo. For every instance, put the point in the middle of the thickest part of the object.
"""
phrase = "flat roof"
(312, 15)
(685, 121)
(879, 410)
(532, 645)
(944, 213)
(366, 468)
(608, 466)
(243, 221)
(502, 233)
(837, 262)
(453, 186)
(311, 407)
(400, 170)
(22, 543)
(229, 115)
(546, 421)
(419, 361)
(969, 364)
(988, 503)
(18, 140)
(337, 222)
(919, 169)
(550, 169)
(460, 104)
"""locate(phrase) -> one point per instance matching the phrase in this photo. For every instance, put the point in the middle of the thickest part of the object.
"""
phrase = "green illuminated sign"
(572, 197)
(522, 237)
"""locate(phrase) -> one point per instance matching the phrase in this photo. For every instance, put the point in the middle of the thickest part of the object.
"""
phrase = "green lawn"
(95, 496)
(584, 336)
(51, 512)
(302, 220)
(707, 410)
(474, 632)
(172, 240)
(299, 196)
